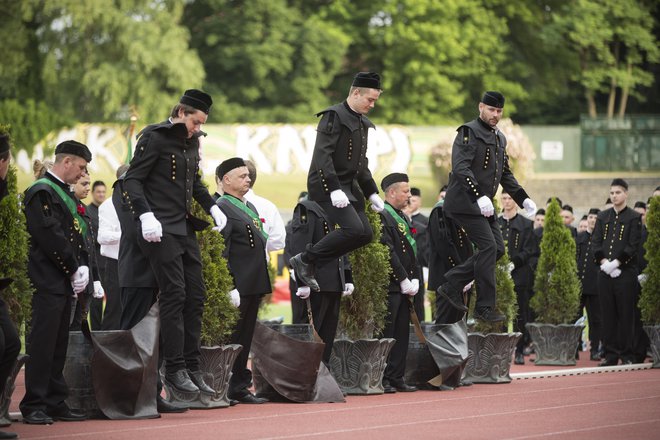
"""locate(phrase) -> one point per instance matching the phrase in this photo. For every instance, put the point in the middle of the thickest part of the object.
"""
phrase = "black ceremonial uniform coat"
(245, 250)
(587, 265)
(479, 165)
(518, 233)
(164, 176)
(420, 222)
(402, 257)
(340, 160)
(617, 236)
(56, 242)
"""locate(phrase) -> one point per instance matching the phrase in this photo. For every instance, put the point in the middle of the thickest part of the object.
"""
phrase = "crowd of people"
(140, 246)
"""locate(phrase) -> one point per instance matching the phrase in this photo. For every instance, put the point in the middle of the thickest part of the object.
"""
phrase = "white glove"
(486, 206)
(80, 279)
(510, 267)
(151, 228)
(339, 199)
(303, 292)
(235, 297)
(615, 272)
(219, 218)
(99, 292)
(530, 207)
(425, 274)
(468, 286)
(406, 287)
(609, 266)
(641, 278)
(415, 283)
(377, 203)
(292, 274)
(348, 289)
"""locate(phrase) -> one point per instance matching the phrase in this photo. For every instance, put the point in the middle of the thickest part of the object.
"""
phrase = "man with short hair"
(163, 178)
(641, 208)
(588, 274)
(568, 218)
(583, 225)
(404, 279)
(56, 245)
(479, 165)
(615, 240)
(339, 179)
(98, 191)
(539, 219)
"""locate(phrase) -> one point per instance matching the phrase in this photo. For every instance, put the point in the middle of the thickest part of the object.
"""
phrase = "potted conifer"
(649, 301)
(557, 295)
(358, 360)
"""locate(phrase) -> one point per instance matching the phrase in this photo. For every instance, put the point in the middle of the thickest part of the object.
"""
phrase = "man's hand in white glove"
(303, 292)
(641, 278)
(406, 286)
(510, 267)
(98, 290)
(377, 203)
(468, 286)
(530, 207)
(609, 266)
(80, 279)
(348, 289)
(615, 272)
(151, 228)
(219, 218)
(486, 206)
(292, 274)
(339, 199)
(235, 297)
(415, 283)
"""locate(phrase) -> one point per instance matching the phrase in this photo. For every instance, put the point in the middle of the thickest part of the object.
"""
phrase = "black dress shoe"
(609, 362)
(465, 383)
(452, 296)
(5, 434)
(443, 387)
(250, 399)
(197, 378)
(304, 272)
(403, 387)
(165, 407)
(488, 314)
(388, 389)
(519, 359)
(233, 402)
(181, 381)
(595, 356)
(68, 415)
(37, 417)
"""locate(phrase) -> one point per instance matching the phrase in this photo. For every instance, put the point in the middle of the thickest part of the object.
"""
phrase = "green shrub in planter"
(649, 302)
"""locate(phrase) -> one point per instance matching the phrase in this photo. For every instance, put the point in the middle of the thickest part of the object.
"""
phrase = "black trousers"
(110, 280)
(397, 326)
(298, 307)
(10, 345)
(618, 298)
(480, 267)
(177, 266)
(522, 295)
(325, 312)
(592, 304)
(136, 302)
(95, 305)
(354, 232)
(45, 387)
(241, 378)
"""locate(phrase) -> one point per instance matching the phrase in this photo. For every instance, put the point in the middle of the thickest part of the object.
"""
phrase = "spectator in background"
(583, 224)
(39, 168)
(539, 219)
(568, 217)
(442, 193)
(641, 208)
(420, 223)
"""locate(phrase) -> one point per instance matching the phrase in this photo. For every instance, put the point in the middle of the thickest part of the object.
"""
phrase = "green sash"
(78, 222)
(403, 227)
(246, 209)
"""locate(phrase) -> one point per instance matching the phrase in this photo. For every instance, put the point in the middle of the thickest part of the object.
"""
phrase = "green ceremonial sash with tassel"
(404, 228)
(246, 209)
(79, 223)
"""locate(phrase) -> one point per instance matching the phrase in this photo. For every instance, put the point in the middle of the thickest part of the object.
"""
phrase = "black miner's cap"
(370, 80)
(228, 165)
(594, 211)
(75, 148)
(197, 99)
(393, 178)
(494, 99)
(620, 182)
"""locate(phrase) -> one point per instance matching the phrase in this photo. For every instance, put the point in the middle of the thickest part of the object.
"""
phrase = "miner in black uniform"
(588, 269)
(404, 279)
(10, 343)
(339, 178)
(309, 225)
(420, 224)
(479, 165)
(245, 251)
(96, 304)
(298, 308)
(56, 243)
(448, 246)
(517, 233)
(615, 241)
(162, 180)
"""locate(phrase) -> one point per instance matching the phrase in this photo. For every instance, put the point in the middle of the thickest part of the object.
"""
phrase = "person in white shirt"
(270, 215)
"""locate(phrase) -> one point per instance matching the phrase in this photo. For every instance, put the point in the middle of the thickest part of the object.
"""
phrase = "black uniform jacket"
(479, 165)
(164, 176)
(420, 222)
(340, 160)
(587, 265)
(309, 225)
(518, 232)
(56, 242)
(133, 267)
(402, 257)
(245, 250)
(448, 246)
(617, 236)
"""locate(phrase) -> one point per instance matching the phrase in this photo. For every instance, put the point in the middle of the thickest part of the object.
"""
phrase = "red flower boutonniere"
(263, 220)
(413, 231)
(81, 209)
